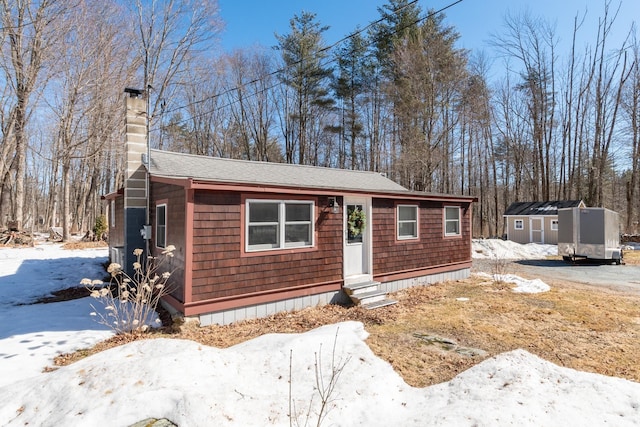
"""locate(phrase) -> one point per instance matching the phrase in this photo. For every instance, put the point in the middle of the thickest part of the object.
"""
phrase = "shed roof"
(214, 169)
(540, 208)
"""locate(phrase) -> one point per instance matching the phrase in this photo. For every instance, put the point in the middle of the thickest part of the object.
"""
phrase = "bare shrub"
(325, 388)
(130, 302)
(499, 267)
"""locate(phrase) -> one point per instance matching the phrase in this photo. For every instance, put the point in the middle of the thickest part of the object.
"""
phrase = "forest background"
(396, 97)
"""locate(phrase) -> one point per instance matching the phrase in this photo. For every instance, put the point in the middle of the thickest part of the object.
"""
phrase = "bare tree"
(477, 159)
(532, 43)
(169, 32)
(86, 108)
(251, 101)
(572, 98)
(29, 32)
(610, 76)
(631, 107)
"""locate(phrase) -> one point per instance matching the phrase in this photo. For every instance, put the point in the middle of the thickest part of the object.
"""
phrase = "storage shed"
(535, 222)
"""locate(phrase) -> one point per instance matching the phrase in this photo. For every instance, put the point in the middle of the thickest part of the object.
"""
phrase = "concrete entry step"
(362, 287)
(378, 304)
(368, 294)
(368, 297)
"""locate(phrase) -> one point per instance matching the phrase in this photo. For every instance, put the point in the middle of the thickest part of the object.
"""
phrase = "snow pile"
(248, 385)
(520, 389)
(524, 286)
(506, 249)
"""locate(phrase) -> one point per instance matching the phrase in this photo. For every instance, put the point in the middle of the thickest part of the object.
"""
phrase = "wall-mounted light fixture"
(333, 204)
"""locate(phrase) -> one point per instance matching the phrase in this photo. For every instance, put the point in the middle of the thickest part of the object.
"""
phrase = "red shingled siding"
(431, 249)
(220, 269)
(116, 230)
(174, 197)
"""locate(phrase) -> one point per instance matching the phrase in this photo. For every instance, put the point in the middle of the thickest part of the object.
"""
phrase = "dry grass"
(631, 257)
(85, 245)
(576, 326)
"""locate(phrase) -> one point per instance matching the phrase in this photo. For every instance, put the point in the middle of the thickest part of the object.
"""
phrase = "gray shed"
(535, 222)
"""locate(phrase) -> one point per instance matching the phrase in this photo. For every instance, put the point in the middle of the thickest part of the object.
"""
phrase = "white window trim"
(112, 213)
(416, 221)
(164, 231)
(280, 224)
(554, 224)
(459, 221)
(516, 222)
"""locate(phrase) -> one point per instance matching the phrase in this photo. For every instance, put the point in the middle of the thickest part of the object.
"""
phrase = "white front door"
(357, 239)
(536, 225)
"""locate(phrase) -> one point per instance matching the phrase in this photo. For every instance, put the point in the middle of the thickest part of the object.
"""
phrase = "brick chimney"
(135, 179)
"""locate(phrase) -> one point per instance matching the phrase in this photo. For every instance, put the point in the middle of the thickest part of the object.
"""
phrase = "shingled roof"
(540, 208)
(214, 169)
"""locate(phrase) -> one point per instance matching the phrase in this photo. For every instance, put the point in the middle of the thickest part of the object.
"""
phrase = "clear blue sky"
(250, 22)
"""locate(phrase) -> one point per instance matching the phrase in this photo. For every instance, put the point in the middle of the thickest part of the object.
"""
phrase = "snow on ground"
(27, 274)
(248, 384)
(631, 246)
(498, 250)
(506, 249)
(32, 335)
(524, 286)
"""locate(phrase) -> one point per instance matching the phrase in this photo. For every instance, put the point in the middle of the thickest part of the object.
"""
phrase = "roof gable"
(540, 208)
(214, 169)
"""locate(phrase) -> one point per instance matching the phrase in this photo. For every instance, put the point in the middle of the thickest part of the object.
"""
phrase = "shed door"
(356, 245)
(536, 225)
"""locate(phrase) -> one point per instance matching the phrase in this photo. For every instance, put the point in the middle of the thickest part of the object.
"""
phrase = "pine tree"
(304, 55)
(354, 73)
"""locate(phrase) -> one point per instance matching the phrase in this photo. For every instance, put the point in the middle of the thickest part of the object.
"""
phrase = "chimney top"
(134, 93)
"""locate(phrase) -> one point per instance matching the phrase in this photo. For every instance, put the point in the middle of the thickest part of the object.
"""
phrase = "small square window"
(407, 226)
(518, 224)
(451, 221)
(554, 224)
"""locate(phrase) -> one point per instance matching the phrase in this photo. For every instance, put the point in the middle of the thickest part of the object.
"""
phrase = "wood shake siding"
(221, 268)
(174, 197)
(116, 230)
(431, 249)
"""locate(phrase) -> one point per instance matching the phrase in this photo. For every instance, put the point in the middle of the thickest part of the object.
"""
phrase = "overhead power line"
(285, 68)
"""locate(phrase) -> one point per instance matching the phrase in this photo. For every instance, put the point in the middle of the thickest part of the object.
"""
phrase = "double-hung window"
(451, 221)
(161, 226)
(278, 224)
(554, 224)
(407, 226)
(518, 224)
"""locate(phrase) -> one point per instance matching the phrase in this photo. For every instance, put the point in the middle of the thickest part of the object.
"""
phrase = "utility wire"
(285, 68)
(280, 70)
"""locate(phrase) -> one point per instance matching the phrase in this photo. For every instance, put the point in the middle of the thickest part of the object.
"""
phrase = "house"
(255, 238)
(535, 222)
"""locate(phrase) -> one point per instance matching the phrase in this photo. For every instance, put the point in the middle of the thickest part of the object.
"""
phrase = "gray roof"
(540, 208)
(214, 169)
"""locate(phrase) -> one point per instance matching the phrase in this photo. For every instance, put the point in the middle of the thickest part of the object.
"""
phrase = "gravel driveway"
(625, 278)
